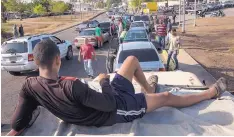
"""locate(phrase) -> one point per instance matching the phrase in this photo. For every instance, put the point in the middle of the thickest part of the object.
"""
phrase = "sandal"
(153, 81)
(220, 86)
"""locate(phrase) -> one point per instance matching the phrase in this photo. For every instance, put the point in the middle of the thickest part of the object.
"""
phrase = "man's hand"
(102, 76)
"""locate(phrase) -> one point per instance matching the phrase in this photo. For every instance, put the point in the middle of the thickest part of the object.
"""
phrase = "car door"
(61, 46)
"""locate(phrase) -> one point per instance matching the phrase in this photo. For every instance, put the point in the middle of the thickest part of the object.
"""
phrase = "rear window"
(135, 34)
(137, 24)
(141, 18)
(17, 47)
(143, 55)
(87, 33)
(105, 25)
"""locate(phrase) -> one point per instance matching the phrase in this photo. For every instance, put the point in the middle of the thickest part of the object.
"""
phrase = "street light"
(195, 13)
(183, 27)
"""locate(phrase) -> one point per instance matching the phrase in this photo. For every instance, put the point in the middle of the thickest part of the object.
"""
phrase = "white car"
(144, 51)
(17, 54)
(140, 24)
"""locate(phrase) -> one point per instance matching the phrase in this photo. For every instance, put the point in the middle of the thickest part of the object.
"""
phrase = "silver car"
(144, 51)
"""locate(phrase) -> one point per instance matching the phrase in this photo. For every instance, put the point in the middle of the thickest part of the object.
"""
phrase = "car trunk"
(14, 54)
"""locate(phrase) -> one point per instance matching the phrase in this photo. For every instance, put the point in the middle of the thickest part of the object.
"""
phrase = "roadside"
(211, 44)
(50, 24)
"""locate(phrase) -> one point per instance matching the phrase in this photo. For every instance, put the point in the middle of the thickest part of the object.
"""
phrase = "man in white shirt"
(174, 45)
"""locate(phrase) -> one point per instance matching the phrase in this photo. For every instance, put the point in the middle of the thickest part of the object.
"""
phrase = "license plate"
(12, 58)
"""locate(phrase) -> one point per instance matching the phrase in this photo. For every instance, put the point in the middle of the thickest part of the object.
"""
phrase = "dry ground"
(211, 43)
(47, 24)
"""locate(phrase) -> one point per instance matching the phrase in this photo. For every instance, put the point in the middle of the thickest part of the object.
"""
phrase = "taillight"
(75, 41)
(162, 69)
(92, 39)
(30, 57)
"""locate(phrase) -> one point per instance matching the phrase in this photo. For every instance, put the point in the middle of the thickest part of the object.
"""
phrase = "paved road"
(11, 84)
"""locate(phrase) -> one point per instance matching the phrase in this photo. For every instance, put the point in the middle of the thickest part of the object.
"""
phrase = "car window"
(45, 38)
(87, 33)
(105, 25)
(139, 18)
(34, 43)
(143, 55)
(137, 24)
(17, 47)
(135, 34)
(56, 40)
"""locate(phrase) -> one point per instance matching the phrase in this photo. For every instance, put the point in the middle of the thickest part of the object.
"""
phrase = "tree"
(3, 9)
(39, 9)
(59, 7)
(15, 6)
(45, 3)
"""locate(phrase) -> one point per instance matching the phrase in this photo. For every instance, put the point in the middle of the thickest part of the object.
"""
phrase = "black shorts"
(130, 106)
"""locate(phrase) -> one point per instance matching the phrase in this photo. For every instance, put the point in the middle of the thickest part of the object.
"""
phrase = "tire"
(69, 53)
(14, 73)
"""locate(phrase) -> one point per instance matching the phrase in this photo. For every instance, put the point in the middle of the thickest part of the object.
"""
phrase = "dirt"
(211, 44)
(47, 24)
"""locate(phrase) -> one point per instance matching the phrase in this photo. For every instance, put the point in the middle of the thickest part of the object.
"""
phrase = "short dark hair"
(173, 30)
(45, 52)
(98, 25)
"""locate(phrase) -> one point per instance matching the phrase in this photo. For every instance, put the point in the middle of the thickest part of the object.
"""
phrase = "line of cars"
(17, 53)
(137, 42)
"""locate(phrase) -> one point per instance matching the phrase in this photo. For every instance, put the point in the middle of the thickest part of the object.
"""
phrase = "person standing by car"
(98, 34)
(88, 53)
(120, 27)
(15, 31)
(174, 17)
(21, 30)
(162, 33)
(174, 45)
(169, 26)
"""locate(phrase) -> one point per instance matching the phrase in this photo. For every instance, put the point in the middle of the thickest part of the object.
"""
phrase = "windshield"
(87, 33)
(137, 24)
(136, 35)
(105, 25)
(141, 18)
(18, 47)
(143, 55)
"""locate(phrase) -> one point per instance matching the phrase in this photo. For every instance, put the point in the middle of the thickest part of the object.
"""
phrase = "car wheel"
(14, 73)
(69, 53)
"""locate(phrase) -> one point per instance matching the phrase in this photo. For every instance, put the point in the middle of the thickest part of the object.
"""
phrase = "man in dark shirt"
(74, 102)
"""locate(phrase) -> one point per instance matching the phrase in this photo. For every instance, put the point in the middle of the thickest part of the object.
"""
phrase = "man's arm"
(79, 56)
(94, 54)
(23, 112)
(104, 101)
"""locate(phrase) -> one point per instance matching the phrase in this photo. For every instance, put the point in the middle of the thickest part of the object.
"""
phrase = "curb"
(77, 24)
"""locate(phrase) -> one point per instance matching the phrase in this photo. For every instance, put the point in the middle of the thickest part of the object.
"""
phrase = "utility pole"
(183, 27)
(179, 12)
(195, 13)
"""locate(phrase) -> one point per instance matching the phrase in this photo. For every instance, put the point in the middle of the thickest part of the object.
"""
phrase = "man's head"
(173, 32)
(47, 56)
(98, 25)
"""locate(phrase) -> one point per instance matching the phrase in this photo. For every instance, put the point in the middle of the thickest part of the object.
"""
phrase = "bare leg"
(131, 69)
(155, 101)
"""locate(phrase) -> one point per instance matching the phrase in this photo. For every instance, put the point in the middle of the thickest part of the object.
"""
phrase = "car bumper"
(20, 68)
(92, 43)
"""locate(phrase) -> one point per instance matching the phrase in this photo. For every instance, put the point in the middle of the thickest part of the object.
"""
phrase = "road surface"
(11, 85)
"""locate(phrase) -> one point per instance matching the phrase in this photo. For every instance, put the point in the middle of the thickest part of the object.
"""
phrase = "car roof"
(26, 38)
(137, 28)
(136, 45)
(138, 21)
(89, 29)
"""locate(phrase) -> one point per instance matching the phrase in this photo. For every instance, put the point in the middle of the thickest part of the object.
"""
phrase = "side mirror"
(63, 41)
